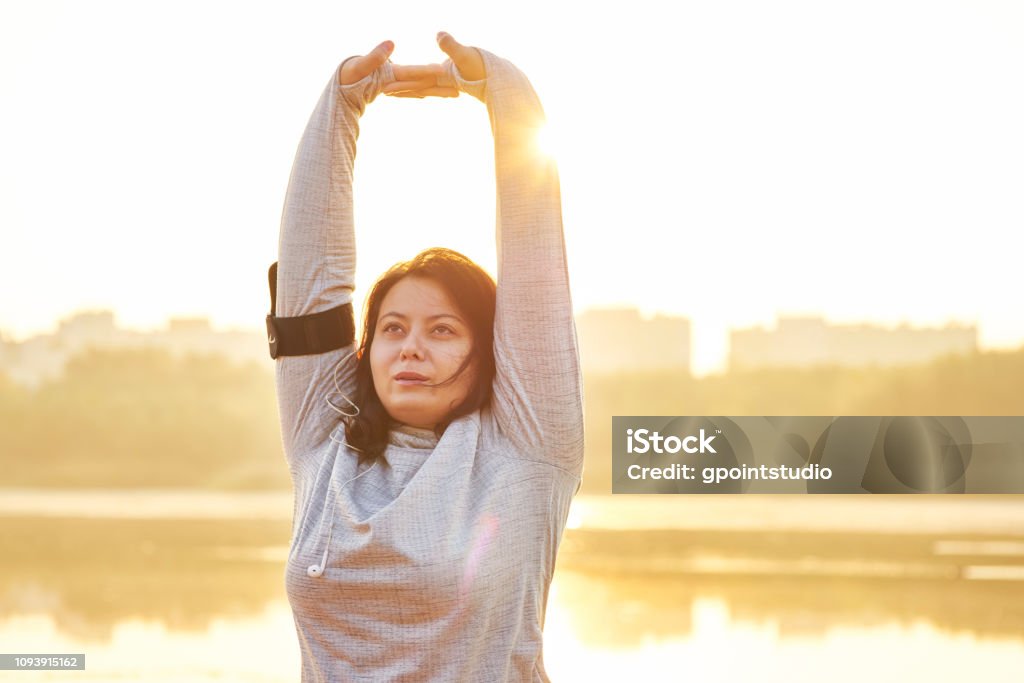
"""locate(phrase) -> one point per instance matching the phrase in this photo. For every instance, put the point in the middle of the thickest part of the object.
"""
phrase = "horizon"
(719, 367)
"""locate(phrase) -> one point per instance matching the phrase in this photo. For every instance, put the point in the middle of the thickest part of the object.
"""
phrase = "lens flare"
(546, 141)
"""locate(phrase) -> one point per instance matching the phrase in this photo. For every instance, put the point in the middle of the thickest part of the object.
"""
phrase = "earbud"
(315, 571)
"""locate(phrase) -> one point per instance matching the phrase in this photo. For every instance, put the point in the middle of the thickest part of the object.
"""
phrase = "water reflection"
(723, 648)
(807, 582)
(251, 649)
(90, 574)
(203, 599)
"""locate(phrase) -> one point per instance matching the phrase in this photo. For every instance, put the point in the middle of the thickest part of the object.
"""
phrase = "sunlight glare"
(547, 141)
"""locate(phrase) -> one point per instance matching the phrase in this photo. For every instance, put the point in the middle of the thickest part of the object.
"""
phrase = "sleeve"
(316, 261)
(538, 398)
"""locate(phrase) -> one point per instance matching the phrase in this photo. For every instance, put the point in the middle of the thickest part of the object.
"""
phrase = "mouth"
(410, 378)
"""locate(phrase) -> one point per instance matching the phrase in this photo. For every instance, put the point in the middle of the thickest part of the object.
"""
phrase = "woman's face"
(420, 339)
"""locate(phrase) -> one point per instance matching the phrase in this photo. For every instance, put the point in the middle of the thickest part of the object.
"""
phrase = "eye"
(444, 329)
(391, 327)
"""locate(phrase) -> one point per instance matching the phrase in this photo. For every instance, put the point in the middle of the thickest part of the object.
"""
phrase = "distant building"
(43, 357)
(810, 341)
(620, 340)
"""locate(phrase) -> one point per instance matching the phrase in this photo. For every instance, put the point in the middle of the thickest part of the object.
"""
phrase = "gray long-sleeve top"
(436, 561)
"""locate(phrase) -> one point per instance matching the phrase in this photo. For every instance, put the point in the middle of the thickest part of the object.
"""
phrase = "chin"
(411, 415)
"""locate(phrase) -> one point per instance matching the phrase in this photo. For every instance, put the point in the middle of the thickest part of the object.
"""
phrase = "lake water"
(171, 586)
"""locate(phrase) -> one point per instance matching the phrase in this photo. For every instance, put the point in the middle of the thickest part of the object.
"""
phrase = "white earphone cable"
(317, 570)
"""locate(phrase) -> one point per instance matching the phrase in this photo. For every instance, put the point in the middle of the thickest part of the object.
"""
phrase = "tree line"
(145, 418)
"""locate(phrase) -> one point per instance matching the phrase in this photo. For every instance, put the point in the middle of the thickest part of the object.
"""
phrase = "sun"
(546, 140)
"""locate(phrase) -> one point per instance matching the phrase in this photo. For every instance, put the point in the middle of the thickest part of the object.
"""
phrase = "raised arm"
(316, 252)
(537, 390)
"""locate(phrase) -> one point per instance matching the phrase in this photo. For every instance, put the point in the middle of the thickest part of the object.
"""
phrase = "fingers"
(467, 59)
(416, 72)
(427, 92)
(380, 54)
(401, 86)
(357, 68)
(419, 80)
(449, 45)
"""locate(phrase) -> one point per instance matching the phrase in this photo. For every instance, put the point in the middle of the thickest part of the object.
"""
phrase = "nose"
(411, 347)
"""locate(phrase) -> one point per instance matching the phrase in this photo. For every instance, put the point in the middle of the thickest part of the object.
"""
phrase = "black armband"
(306, 335)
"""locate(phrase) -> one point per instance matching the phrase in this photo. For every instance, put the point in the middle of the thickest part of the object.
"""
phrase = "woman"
(424, 551)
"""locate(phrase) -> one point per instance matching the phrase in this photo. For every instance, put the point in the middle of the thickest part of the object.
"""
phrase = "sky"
(725, 161)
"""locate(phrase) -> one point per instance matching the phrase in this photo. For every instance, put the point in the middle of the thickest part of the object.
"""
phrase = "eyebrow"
(401, 316)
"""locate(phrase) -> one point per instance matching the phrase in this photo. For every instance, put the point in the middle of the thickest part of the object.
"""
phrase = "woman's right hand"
(420, 80)
(356, 69)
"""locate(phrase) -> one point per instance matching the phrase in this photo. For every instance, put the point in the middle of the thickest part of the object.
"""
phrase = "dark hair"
(474, 293)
